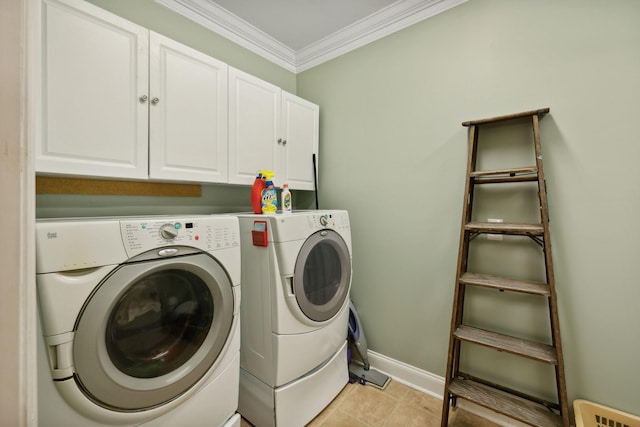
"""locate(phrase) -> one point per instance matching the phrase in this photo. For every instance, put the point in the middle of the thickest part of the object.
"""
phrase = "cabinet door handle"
(143, 98)
(279, 140)
(284, 142)
(155, 100)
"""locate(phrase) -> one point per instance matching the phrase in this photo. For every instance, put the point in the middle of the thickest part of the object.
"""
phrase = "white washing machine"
(296, 278)
(139, 320)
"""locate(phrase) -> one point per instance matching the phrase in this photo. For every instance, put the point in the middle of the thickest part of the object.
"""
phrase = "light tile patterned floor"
(395, 406)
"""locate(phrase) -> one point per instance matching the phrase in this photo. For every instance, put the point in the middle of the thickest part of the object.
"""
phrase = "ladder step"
(505, 228)
(522, 410)
(504, 284)
(538, 112)
(505, 175)
(521, 347)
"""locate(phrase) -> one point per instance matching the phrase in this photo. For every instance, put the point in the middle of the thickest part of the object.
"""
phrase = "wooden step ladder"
(459, 385)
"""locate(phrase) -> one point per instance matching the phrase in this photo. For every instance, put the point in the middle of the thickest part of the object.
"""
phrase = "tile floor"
(396, 405)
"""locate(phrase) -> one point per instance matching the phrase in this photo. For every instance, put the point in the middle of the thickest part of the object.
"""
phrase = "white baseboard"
(433, 385)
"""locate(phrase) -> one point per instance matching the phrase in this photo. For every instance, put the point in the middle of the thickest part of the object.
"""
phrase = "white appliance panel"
(74, 256)
(291, 365)
(314, 348)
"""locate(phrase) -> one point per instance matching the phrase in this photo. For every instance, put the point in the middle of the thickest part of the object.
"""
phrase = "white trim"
(395, 17)
(433, 385)
(31, 125)
(18, 389)
(224, 23)
(408, 375)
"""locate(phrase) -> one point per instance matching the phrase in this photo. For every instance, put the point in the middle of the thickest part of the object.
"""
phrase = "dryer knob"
(324, 220)
(168, 232)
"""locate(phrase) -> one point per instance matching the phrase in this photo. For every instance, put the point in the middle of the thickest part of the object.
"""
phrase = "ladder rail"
(453, 362)
(561, 387)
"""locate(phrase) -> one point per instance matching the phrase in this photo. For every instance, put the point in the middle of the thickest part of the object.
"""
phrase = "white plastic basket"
(590, 414)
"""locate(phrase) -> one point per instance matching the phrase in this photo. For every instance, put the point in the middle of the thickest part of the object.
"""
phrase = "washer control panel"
(206, 233)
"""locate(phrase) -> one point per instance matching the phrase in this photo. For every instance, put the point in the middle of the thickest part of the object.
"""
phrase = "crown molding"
(221, 21)
(393, 18)
(386, 21)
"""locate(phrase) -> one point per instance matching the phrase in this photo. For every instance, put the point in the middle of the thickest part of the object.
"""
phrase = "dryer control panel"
(301, 224)
(207, 234)
(328, 220)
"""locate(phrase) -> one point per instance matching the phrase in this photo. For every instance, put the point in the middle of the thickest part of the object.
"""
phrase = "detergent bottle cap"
(285, 185)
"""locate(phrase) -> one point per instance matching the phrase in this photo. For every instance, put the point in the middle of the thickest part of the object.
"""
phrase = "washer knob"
(324, 220)
(168, 232)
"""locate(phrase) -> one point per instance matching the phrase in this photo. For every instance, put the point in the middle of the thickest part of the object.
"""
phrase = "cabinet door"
(300, 121)
(94, 73)
(254, 120)
(188, 113)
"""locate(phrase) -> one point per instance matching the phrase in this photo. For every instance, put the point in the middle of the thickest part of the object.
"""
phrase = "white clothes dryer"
(296, 278)
(139, 320)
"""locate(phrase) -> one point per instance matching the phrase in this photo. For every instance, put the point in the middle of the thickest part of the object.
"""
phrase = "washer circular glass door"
(151, 330)
(322, 275)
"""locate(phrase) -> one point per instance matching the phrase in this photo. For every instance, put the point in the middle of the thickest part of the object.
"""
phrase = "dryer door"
(322, 275)
(151, 330)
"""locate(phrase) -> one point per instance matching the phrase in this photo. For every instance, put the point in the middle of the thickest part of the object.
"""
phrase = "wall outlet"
(494, 236)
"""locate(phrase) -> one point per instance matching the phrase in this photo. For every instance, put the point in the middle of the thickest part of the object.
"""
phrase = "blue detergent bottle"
(269, 194)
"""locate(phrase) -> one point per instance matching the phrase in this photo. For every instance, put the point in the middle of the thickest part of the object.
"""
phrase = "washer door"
(151, 330)
(322, 275)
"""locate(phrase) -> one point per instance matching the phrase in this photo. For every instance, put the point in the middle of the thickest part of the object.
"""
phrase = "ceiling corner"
(395, 17)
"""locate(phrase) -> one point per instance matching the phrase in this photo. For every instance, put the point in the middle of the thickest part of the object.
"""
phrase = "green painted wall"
(393, 152)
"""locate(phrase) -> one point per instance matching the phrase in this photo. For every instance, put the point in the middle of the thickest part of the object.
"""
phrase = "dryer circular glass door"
(151, 330)
(322, 275)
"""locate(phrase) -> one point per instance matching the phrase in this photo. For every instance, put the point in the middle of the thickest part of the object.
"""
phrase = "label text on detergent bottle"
(269, 201)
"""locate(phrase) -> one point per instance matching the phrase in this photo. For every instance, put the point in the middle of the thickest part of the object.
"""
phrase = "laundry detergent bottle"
(285, 198)
(269, 194)
(256, 193)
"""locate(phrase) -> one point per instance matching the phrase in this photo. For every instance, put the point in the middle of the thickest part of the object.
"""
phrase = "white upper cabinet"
(120, 101)
(254, 123)
(299, 130)
(188, 113)
(94, 71)
(270, 129)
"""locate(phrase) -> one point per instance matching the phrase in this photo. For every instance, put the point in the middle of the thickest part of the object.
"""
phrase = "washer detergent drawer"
(299, 402)
(62, 295)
